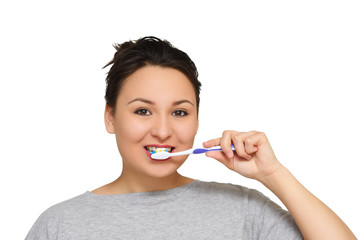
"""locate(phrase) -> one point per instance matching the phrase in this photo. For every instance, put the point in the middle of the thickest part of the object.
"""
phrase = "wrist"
(278, 176)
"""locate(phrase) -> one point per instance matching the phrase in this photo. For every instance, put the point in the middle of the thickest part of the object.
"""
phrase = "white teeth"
(153, 149)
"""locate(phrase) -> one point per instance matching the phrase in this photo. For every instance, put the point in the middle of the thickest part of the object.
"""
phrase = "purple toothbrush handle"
(204, 150)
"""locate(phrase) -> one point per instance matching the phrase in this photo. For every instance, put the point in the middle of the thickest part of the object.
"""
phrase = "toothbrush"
(162, 153)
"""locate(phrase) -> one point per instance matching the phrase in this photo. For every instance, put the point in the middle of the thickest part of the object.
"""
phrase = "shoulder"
(230, 191)
(66, 207)
(228, 188)
(48, 222)
(261, 216)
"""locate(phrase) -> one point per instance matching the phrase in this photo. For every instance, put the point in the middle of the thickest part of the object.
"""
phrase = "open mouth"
(152, 149)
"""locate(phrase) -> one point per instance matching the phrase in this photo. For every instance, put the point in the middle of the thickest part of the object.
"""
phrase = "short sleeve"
(267, 220)
(45, 227)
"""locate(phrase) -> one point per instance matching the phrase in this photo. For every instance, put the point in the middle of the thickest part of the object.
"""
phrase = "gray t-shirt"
(198, 210)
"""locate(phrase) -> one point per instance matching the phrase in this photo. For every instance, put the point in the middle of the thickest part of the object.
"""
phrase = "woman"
(152, 101)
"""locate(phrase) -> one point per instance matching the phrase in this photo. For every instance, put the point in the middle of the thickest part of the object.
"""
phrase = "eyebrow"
(153, 103)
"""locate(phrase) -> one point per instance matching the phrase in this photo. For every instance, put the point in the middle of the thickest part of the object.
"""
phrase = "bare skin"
(156, 105)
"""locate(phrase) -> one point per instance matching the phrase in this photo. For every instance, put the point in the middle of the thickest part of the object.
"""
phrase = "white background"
(290, 69)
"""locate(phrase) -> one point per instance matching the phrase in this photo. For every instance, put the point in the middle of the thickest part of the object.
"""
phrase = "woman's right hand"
(253, 158)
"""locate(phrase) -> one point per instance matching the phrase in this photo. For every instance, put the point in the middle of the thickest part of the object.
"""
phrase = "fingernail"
(229, 154)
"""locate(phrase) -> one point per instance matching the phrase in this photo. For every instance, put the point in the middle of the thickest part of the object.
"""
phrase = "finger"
(239, 142)
(240, 149)
(250, 147)
(221, 157)
(226, 144)
(253, 141)
(212, 143)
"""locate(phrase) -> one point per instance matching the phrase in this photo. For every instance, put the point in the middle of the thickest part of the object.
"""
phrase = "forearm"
(314, 219)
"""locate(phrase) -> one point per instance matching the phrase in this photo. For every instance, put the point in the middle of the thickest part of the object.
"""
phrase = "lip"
(158, 146)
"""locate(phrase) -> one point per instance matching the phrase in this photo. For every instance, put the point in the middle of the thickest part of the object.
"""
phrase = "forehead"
(158, 84)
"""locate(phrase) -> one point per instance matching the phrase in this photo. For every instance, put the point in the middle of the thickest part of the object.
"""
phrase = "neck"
(148, 184)
(132, 182)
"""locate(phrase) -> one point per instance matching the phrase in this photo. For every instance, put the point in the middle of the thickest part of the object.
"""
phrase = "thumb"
(220, 156)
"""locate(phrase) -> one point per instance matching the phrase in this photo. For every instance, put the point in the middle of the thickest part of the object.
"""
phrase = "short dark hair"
(133, 55)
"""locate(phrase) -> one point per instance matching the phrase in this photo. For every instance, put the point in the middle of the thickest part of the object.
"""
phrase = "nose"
(161, 128)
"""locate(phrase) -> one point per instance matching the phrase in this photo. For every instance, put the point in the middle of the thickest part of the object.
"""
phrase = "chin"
(161, 170)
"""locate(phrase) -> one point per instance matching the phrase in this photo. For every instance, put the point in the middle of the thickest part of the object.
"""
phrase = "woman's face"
(156, 107)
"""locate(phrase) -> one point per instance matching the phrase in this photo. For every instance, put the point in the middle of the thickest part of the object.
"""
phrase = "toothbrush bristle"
(159, 150)
(160, 154)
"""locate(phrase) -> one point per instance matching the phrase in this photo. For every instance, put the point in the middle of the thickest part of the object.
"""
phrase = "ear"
(109, 119)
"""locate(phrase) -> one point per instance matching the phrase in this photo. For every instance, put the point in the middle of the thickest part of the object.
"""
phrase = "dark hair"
(133, 55)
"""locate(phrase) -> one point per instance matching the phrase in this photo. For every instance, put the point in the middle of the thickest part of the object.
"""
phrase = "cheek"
(186, 132)
(129, 131)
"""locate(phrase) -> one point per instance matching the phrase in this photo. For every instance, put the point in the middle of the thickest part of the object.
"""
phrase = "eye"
(143, 112)
(179, 113)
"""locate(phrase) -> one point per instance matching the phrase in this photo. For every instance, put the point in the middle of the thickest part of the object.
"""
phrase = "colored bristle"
(159, 150)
